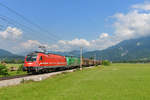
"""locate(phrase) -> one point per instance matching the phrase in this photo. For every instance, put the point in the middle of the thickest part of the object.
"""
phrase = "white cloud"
(132, 25)
(103, 35)
(76, 42)
(11, 33)
(30, 44)
(64, 45)
(103, 43)
(144, 6)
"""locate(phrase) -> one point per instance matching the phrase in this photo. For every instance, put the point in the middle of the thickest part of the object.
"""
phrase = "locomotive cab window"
(31, 58)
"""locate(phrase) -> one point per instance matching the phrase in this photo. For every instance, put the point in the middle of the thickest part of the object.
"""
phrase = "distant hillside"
(5, 53)
(134, 49)
(75, 53)
(8, 55)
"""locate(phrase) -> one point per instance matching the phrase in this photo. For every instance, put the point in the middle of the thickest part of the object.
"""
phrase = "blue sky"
(71, 18)
(67, 19)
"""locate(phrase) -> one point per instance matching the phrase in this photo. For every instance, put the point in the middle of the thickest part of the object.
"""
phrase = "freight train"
(45, 62)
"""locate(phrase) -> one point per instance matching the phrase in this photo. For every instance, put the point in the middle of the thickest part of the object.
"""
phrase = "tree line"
(14, 61)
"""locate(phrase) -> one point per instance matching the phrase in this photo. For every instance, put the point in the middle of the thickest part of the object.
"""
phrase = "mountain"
(4, 54)
(134, 49)
(75, 53)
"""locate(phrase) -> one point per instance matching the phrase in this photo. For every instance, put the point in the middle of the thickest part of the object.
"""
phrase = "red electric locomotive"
(39, 61)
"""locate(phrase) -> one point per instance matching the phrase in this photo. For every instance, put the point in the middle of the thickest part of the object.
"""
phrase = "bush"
(3, 70)
(106, 62)
(20, 69)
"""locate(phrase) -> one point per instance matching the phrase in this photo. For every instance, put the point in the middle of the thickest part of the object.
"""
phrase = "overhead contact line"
(56, 38)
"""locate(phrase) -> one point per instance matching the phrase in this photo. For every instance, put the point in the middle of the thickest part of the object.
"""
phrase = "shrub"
(20, 69)
(3, 70)
(106, 62)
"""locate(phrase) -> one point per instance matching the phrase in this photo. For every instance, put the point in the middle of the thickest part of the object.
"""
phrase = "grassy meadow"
(115, 82)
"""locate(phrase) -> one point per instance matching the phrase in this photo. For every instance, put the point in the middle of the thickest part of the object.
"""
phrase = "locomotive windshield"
(31, 58)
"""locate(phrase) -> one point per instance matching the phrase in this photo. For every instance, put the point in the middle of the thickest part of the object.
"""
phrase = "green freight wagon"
(73, 61)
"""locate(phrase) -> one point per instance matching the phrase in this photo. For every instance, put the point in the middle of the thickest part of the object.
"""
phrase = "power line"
(27, 20)
(13, 22)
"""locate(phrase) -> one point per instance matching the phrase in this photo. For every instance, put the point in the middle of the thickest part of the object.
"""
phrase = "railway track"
(13, 77)
(26, 75)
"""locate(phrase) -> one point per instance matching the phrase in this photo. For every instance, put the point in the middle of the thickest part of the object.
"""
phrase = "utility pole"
(95, 59)
(80, 58)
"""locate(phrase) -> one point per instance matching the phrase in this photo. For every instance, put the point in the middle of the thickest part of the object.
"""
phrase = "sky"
(66, 25)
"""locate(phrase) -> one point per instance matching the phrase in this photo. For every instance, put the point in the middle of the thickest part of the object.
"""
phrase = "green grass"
(13, 73)
(115, 82)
